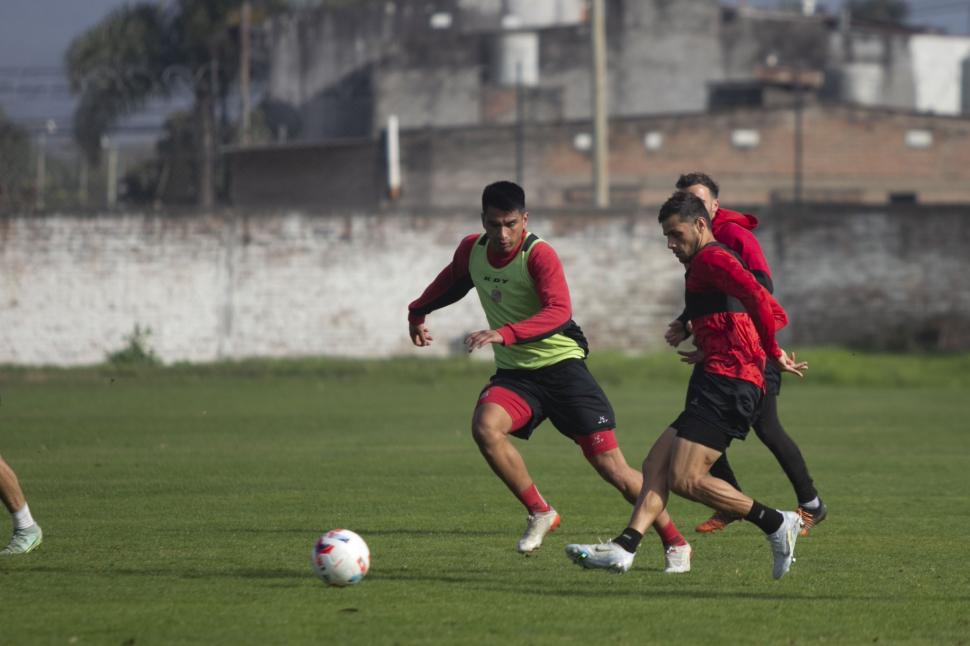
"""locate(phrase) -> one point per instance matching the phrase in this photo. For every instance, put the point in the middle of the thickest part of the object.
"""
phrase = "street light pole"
(601, 179)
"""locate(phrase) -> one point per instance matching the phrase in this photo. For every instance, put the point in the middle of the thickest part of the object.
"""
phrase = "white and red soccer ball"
(340, 558)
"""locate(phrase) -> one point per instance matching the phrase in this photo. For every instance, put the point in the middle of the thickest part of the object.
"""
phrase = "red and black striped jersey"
(733, 317)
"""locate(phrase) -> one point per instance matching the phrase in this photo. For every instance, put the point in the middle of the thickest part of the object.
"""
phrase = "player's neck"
(499, 258)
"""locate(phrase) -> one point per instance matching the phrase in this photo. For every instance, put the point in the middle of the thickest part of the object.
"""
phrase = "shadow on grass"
(582, 589)
(368, 532)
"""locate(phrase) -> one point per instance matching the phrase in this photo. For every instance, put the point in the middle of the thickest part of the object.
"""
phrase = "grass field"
(180, 505)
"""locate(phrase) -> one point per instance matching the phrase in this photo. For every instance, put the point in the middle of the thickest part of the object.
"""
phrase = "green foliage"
(146, 50)
(181, 506)
(115, 67)
(16, 185)
(136, 352)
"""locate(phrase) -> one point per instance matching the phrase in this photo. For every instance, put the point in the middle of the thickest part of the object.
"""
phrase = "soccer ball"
(340, 557)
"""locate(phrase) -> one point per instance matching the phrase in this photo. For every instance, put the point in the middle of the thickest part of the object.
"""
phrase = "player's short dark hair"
(690, 179)
(503, 196)
(686, 205)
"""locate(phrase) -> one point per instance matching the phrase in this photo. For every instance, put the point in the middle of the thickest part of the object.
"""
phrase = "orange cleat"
(717, 522)
(812, 517)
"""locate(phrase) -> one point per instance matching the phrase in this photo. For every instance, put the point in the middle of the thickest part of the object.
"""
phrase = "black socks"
(629, 539)
(768, 519)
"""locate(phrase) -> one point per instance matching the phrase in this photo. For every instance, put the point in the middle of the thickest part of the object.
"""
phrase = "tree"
(891, 11)
(15, 171)
(143, 51)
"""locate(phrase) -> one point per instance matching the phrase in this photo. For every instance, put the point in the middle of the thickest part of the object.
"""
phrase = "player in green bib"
(540, 362)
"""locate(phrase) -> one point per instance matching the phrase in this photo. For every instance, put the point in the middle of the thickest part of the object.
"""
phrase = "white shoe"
(677, 558)
(601, 556)
(24, 540)
(540, 524)
(783, 543)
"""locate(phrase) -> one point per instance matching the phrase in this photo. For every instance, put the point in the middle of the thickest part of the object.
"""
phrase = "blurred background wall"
(281, 177)
(237, 285)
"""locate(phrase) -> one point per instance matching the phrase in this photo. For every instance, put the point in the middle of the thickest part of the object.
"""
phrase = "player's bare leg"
(617, 555)
(491, 426)
(689, 477)
(10, 491)
(614, 468)
(27, 534)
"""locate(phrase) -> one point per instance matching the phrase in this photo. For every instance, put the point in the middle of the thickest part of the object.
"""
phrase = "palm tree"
(143, 51)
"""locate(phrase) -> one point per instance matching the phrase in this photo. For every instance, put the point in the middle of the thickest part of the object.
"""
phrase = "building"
(778, 105)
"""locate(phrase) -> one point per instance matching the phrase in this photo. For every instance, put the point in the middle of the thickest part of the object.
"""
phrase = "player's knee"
(487, 429)
(685, 484)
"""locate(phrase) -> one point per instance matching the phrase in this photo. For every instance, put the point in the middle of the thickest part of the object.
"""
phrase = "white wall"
(286, 285)
(937, 64)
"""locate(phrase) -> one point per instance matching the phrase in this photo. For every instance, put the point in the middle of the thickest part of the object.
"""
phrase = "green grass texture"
(180, 505)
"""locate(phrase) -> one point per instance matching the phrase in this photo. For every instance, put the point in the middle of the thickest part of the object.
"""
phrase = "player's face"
(683, 237)
(504, 228)
(710, 202)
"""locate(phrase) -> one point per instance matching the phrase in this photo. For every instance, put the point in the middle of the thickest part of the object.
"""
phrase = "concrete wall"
(276, 284)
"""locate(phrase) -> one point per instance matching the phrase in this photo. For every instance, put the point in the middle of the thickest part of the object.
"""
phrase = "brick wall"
(850, 154)
(235, 285)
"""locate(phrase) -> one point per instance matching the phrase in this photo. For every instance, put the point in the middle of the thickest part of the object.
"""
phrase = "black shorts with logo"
(718, 409)
(565, 392)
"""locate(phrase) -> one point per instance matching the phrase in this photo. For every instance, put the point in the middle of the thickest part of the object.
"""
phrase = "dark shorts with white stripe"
(565, 392)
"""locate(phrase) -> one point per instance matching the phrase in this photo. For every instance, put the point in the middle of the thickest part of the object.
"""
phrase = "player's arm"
(728, 275)
(555, 309)
(449, 286)
(679, 330)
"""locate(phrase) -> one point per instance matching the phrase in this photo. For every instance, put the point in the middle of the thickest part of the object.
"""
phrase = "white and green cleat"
(24, 540)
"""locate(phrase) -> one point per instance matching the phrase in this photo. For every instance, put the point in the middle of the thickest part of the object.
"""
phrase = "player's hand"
(676, 333)
(481, 338)
(420, 335)
(787, 363)
(690, 357)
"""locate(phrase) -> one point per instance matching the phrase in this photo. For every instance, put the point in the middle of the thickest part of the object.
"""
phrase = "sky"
(35, 34)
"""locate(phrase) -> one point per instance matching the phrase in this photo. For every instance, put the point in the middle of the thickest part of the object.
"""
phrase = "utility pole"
(245, 21)
(41, 179)
(519, 131)
(601, 174)
(798, 143)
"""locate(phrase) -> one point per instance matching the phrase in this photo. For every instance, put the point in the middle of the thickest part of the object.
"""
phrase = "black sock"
(768, 519)
(629, 540)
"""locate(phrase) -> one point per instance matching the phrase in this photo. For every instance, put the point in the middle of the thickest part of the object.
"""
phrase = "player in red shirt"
(540, 357)
(734, 320)
(734, 230)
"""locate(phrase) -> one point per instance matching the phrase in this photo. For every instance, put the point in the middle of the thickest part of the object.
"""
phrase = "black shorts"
(565, 392)
(718, 409)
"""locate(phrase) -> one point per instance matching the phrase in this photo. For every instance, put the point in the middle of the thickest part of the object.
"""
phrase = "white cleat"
(24, 540)
(601, 556)
(677, 558)
(539, 524)
(783, 543)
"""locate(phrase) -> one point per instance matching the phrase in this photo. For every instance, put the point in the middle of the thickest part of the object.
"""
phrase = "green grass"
(180, 505)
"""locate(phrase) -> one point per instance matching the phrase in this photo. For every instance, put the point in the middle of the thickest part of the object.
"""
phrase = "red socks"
(535, 503)
(670, 535)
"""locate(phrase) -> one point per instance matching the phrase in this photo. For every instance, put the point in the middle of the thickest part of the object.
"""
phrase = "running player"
(734, 321)
(734, 230)
(540, 362)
